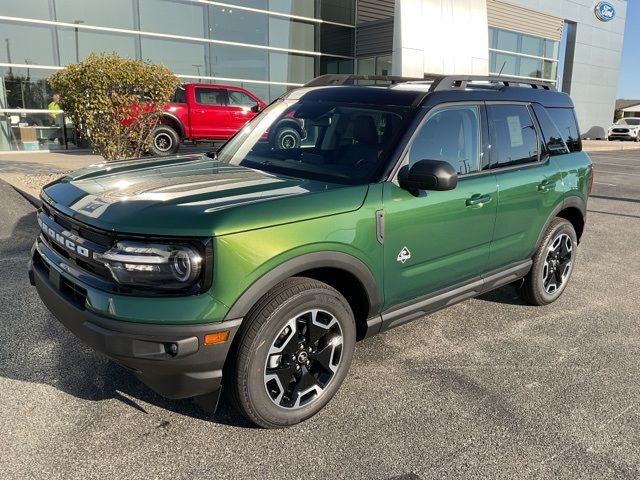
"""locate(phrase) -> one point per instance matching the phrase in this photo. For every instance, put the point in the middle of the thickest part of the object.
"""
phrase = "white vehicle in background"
(627, 128)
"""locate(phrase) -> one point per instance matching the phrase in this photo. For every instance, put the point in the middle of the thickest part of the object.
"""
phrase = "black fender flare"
(299, 264)
(170, 119)
(572, 201)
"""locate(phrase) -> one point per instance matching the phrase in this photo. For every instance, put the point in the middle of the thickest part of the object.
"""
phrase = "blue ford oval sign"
(604, 11)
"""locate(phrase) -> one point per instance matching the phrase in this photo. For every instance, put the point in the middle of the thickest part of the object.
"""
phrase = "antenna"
(502, 68)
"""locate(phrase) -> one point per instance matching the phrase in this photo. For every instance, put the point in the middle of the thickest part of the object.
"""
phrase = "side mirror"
(255, 108)
(428, 175)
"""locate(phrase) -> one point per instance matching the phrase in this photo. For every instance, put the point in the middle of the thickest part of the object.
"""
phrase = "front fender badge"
(404, 255)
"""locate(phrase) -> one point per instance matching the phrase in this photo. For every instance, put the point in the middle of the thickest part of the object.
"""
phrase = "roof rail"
(349, 79)
(448, 82)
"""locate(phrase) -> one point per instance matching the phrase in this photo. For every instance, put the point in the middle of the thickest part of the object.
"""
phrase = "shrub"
(114, 102)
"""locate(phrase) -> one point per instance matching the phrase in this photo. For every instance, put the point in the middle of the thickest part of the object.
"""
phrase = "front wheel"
(553, 264)
(287, 138)
(294, 352)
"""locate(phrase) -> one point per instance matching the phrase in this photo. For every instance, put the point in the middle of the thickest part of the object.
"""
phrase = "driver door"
(437, 239)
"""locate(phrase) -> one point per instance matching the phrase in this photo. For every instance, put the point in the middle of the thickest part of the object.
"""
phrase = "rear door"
(210, 116)
(435, 239)
(529, 182)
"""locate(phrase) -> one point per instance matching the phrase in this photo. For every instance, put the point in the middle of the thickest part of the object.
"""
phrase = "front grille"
(621, 130)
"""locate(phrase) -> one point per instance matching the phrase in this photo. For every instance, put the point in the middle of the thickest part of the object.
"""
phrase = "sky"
(629, 78)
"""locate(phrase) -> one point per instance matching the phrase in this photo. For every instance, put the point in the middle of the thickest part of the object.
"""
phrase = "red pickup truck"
(213, 112)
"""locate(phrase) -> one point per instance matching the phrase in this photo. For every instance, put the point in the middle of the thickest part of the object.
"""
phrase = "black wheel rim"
(163, 142)
(558, 264)
(303, 359)
(288, 141)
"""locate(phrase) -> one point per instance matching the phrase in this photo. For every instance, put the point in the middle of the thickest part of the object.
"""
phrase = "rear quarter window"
(565, 120)
(553, 139)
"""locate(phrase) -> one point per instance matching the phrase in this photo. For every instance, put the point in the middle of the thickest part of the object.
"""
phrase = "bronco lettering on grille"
(64, 239)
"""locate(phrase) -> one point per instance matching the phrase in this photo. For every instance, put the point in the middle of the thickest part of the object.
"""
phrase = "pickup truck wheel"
(552, 264)
(165, 141)
(295, 349)
(287, 138)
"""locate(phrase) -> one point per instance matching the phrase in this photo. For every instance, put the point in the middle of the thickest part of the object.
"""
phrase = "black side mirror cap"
(255, 108)
(428, 175)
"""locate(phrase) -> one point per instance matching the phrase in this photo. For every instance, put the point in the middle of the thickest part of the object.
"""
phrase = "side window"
(513, 135)
(240, 99)
(552, 137)
(179, 96)
(450, 134)
(565, 120)
(211, 96)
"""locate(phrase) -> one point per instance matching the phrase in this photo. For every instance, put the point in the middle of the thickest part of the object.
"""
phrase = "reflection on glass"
(551, 48)
(284, 67)
(507, 41)
(111, 13)
(530, 67)
(240, 62)
(366, 66)
(24, 88)
(236, 25)
(26, 44)
(339, 11)
(38, 9)
(335, 65)
(549, 70)
(531, 45)
(383, 65)
(169, 16)
(503, 63)
(337, 40)
(301, 8)
(75, 45)
(284, 33)
(184, 58)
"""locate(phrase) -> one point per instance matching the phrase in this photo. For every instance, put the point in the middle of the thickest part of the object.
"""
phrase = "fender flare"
(174, 120)
(299, 264)
(572, 201)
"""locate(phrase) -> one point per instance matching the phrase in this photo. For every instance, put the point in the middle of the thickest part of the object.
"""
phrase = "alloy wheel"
(558, 263)
(303, 359)
(162, 142)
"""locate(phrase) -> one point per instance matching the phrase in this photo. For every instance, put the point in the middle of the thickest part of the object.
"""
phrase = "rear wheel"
(294, 352)
(552, 264)
(165, 141)
(287, 137)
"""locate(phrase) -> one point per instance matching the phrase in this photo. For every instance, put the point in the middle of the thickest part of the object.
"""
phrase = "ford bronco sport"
(257, 268)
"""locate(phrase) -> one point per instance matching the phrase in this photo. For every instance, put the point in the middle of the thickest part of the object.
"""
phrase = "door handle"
(478, 200)
(547, 186)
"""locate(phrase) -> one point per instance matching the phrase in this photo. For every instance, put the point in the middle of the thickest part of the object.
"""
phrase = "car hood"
(196, 196)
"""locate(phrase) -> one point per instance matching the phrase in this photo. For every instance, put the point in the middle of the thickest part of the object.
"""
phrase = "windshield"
(628, 121)
(327, 141)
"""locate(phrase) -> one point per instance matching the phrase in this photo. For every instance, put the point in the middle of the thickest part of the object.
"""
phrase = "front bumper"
(622, 136)
(171, 359)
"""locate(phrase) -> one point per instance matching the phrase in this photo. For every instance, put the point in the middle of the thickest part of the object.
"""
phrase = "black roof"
(399, 91)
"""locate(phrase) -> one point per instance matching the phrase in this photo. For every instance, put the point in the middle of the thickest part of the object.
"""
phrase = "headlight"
(160, 266)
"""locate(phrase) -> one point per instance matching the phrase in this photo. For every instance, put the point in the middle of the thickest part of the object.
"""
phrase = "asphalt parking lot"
(488, 388)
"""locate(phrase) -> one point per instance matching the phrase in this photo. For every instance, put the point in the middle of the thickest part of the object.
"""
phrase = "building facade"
(269, 46)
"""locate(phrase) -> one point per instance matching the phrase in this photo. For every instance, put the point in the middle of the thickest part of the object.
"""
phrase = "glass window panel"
(503, 63)
(531, 45)
(111, 13)
(367, 66)
(291, 68)
(285, 33)
(38, 9)
(551, 48)
(337, 40)
(25, 88)
(276, 90)
(552, 137)
(210, 96)
(335, 65)
(91, 41)
(549, 71)
(235, 25)
(492, 37)
(514, 138)
(169, 16)
(450, 135)
(240, 62)
(185, 58)
(301, 8)
(565, 120)
(340, 11)
(383, 65)
(240, 99)
(261, 4)
(23, 43)
(507, 41)
(530, 67)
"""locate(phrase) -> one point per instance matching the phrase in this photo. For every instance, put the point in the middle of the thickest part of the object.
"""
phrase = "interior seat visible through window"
(365, 147)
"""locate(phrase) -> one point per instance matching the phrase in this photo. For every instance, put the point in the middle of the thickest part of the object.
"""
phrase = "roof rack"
(438, 82)
(348, 79)
(447, 82)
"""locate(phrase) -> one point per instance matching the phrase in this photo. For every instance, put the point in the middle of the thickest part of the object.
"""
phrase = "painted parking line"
(602, 183)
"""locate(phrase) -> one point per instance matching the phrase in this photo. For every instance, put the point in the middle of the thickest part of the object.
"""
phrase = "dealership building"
(269, 46)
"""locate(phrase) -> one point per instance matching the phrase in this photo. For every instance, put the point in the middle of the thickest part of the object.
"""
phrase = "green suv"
(257, 268)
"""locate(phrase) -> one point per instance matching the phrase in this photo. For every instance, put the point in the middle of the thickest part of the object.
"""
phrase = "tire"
(164, 141)
(553, 264)
(287, 138)
(269, 352)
